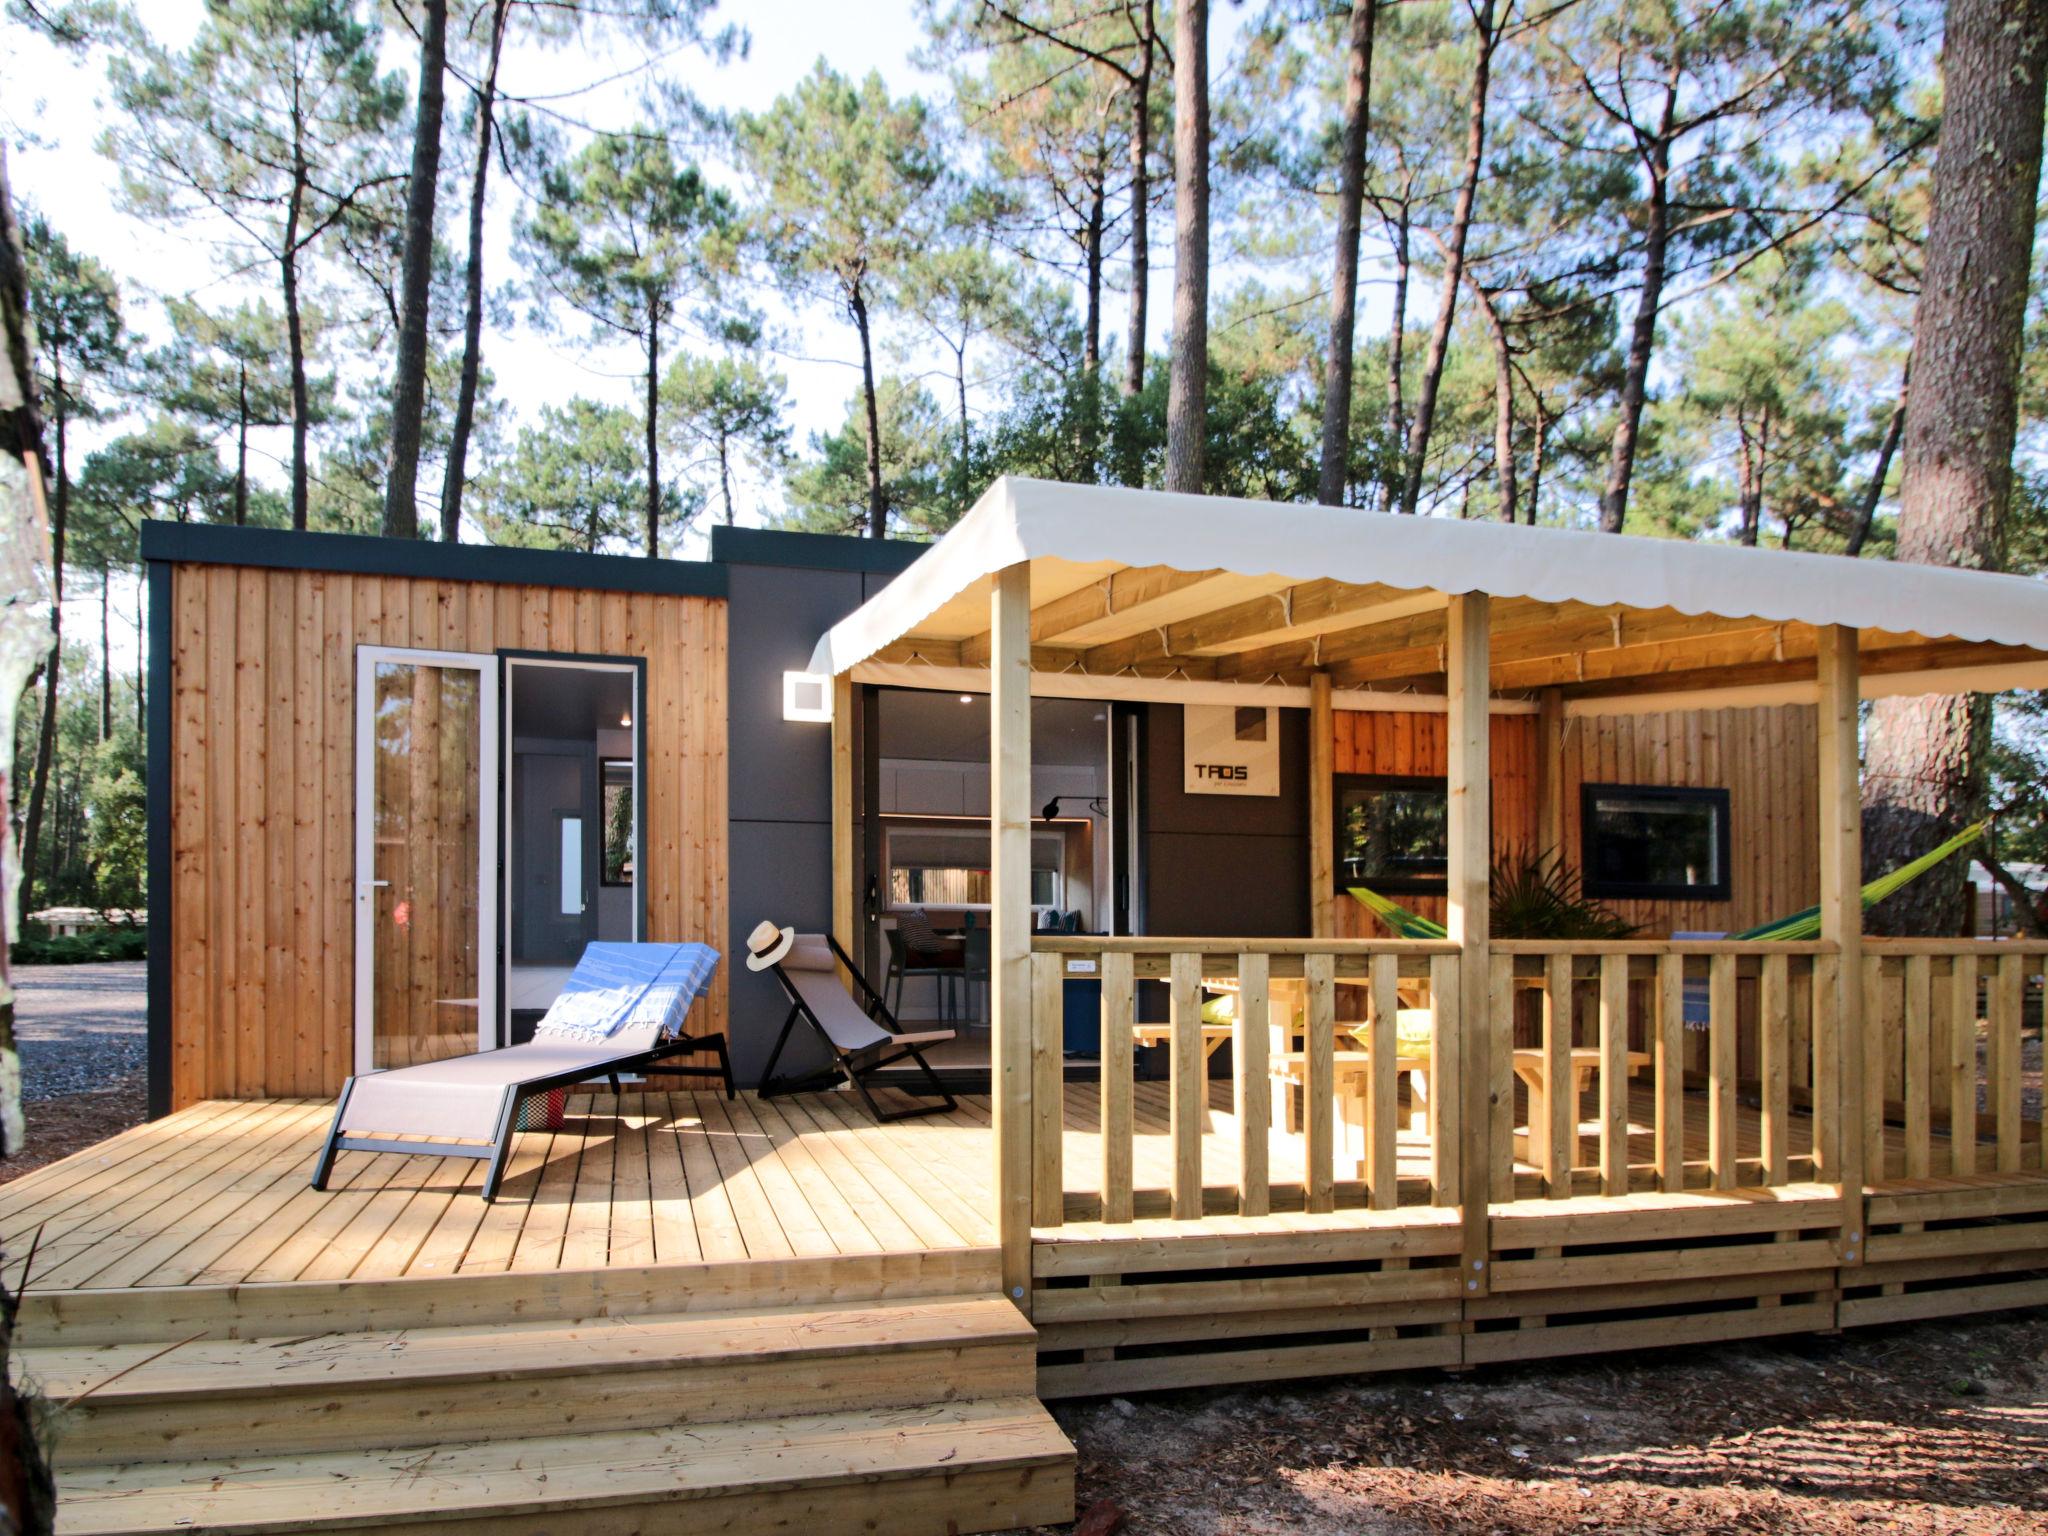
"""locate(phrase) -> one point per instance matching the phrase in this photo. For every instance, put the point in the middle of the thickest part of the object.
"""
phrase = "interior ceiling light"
(626, 720)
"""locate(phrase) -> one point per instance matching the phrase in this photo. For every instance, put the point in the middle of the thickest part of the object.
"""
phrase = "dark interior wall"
(1223, 864)
(784, 591)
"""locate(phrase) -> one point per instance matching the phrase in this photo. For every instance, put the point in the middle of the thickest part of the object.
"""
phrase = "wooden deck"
(217, 1194)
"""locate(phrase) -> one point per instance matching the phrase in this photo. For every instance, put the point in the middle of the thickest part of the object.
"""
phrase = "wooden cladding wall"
(1767, 759)
(262, 793)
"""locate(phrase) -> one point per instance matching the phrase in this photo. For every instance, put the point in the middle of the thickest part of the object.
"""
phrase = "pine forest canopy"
(1642, 264)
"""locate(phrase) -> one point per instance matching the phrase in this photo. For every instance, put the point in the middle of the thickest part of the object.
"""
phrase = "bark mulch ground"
(72, 1122)
(1938, 1427)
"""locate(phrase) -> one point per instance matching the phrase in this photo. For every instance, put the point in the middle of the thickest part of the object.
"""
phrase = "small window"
(1654, 842)
(1392, 834)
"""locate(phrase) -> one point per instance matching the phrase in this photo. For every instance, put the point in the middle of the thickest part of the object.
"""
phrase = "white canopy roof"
(1099, 528)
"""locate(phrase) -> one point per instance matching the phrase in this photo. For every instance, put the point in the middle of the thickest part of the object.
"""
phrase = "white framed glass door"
(426, 855)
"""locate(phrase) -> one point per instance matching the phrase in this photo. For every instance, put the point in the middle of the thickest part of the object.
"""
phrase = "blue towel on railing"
(619, 988)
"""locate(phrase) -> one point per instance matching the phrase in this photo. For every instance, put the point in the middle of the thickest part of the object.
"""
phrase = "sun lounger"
(620, 1011)
(862, 1035)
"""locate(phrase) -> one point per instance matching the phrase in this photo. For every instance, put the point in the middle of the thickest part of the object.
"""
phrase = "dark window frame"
(1386, 885)
(1715, 796)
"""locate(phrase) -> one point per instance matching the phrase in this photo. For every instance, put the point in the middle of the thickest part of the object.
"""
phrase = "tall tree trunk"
(1642, 341)
(725, 474)
(1335, 471)
(1397, 400)
(878, 506)
(1454, 260)
(1750, 492)
(241, 443)
(416, 270)
(960, 384)
(653, 406)
(454, 481)
(1503, 398)
(106, 660)
(1873, 493)
(1091, 258)
(46, 728)
(1536, 452)
(1924, 764)
(295, 336)
(141, 654)
(1141, 197)
(1187, 397)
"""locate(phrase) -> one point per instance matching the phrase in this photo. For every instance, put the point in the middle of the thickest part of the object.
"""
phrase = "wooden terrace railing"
(1711, 1064)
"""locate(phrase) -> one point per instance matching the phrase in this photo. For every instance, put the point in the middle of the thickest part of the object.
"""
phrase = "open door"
(426, 855)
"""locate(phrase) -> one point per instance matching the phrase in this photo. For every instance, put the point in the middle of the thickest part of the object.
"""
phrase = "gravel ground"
(80, 1027)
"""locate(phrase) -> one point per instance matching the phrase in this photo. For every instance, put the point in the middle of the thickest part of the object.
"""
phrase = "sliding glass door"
(426, 855)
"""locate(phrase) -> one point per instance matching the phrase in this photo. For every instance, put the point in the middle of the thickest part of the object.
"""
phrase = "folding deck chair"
(619, 1012)
(862, 1035)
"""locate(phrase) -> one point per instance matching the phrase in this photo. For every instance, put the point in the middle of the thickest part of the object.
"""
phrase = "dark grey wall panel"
(780, 781)
(782, 872)
(780, 771)
(1224, 864)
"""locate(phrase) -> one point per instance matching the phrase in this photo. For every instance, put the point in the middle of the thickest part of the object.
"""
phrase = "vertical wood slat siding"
(262, 793)
(1767, 759)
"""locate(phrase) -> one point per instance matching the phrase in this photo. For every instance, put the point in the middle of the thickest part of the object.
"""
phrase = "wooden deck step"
(207, 1398)
(978, 1466)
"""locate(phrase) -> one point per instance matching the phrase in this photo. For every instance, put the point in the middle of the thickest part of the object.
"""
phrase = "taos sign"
(1231, 749)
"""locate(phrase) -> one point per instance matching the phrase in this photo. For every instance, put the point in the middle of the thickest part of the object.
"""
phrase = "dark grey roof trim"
(366, 555)
(813, 551)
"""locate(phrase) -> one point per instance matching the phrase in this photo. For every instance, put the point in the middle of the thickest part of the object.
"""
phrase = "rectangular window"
(1655, 842)
(1392, 833)
(933, 867)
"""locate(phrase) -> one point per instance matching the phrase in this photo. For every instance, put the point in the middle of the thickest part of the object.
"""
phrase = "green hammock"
(1806, 925)
(1800, 925)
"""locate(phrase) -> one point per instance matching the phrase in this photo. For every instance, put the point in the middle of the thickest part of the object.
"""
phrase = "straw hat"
(768, 944)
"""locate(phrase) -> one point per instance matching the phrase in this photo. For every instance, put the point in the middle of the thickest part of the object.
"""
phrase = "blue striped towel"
(625, 987)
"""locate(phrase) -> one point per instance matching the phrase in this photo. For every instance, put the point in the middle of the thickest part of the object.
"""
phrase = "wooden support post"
(1774, 1051)
(1382, 1171)
(1841, 924)
(1319, 1082)
(1248, 1055)
(1468, 780)
(1010, 926)
(1670, 1068)
(1560, 1128)
(845, 834)
(1119, 1002)
(1614, 1074)
(1723, 1151)
(1322, 815)
(1048, 1119)
(1550, 773)
(1188, 1086)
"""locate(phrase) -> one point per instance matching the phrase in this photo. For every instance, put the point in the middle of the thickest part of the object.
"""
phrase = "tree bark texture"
(1454, 261)
(1503, 398)
(1642, 340)
(1874, 492)
(1924, 764)
(878, 505)
(453, 482)
(1141, 196)
(652, 422)
(46, 727)
(416, 270)
(1188, 376)
(1335, 469)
